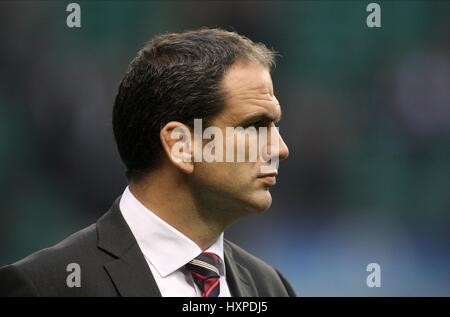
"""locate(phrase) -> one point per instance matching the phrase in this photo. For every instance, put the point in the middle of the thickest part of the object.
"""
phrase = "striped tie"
(205, 270)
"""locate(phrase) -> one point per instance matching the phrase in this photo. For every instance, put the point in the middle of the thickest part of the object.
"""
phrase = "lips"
(269, 178)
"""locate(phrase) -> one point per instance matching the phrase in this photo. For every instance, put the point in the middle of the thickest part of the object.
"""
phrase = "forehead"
(249, 91)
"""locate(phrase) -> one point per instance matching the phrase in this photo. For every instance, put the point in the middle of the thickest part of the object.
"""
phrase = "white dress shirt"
(167, 250)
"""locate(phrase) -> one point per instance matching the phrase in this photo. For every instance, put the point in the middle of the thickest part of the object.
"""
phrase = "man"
(164, 235)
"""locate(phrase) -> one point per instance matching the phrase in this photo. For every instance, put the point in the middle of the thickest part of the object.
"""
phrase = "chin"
(261, 201)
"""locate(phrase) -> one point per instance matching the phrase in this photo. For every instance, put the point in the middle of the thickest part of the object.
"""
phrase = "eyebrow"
(260, 117)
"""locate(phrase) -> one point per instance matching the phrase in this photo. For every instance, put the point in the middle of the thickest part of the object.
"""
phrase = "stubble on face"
(249, 101)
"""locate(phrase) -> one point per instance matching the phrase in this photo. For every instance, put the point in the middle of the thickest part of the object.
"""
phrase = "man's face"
(243, 187)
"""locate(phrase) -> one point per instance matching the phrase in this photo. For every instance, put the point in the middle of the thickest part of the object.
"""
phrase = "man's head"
(220, 77)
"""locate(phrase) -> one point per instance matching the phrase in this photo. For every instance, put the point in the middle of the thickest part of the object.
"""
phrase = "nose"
(284, 150)
(279, 148)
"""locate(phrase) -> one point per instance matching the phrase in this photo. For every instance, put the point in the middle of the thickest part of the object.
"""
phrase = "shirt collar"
(164, 246)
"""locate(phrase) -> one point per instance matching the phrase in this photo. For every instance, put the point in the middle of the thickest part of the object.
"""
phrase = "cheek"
(227, 176)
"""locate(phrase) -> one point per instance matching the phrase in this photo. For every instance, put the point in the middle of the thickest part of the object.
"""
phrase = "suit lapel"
(129, 270)
(239, 279)
(131, 275)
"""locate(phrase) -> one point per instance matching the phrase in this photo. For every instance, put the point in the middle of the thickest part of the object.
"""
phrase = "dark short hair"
(175, 77)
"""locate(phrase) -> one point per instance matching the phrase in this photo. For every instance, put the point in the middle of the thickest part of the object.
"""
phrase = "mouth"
(270, 179)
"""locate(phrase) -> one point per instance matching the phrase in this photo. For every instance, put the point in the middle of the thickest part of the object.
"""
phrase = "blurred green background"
(366, 118)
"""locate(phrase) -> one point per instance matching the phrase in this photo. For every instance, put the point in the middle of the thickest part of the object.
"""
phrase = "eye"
(258, 124)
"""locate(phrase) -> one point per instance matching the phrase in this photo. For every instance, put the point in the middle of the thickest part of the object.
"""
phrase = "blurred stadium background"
(366, 117)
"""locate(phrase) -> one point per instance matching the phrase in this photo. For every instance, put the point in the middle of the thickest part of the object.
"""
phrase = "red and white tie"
(205, 270)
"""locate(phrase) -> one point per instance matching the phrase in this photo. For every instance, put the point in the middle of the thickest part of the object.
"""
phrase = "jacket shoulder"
(76, 247)
(44, 273)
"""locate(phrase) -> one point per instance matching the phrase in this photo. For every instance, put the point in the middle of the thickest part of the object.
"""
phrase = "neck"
(167, 195)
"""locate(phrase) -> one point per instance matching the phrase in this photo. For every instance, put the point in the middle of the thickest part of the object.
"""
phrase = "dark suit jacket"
(111, 264)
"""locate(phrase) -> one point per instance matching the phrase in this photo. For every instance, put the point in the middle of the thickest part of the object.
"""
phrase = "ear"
(177, 142)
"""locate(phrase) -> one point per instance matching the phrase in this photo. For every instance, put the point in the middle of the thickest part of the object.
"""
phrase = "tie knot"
(207, 264)
(206, 269)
